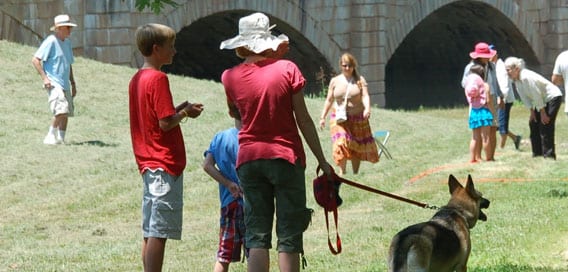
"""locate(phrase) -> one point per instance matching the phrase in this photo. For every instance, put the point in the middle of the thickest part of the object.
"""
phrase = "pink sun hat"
(482, 50)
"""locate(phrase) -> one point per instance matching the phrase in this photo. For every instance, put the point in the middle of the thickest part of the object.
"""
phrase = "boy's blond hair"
(149, 35)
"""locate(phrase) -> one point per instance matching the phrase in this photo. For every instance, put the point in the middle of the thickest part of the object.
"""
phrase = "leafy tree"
(155, 5)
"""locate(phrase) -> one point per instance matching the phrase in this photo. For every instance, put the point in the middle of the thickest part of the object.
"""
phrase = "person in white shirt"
(560, 75)
(504, 111)
(543, 98)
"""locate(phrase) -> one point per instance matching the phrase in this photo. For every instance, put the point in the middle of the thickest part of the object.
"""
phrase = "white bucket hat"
(255, 35)
(61, 20)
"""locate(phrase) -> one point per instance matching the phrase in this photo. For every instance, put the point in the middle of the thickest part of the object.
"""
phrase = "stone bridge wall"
(371, 29)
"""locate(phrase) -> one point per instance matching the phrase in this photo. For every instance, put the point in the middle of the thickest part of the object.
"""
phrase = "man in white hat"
(53, 61)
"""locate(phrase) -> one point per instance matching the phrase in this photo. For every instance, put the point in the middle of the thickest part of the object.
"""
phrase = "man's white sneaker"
(50, 140)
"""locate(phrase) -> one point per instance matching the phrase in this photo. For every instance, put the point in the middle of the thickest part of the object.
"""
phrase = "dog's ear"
(453, 183)
(469, 186)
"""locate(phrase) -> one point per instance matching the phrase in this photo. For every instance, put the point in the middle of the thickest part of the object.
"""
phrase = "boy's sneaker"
(517, 141)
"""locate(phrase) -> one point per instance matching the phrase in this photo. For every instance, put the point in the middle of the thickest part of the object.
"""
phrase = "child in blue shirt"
(219, 163)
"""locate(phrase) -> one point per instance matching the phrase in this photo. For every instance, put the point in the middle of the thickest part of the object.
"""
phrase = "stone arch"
(426, 67)
(421, 9)
(311, 46)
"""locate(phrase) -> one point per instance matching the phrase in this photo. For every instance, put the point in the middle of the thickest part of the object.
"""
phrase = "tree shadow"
(516, 268)
(94, 143)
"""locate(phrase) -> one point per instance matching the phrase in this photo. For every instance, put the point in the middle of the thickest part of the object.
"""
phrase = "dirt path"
(437, 169)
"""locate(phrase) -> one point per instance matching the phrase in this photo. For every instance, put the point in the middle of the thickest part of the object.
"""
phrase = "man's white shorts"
(60, 101)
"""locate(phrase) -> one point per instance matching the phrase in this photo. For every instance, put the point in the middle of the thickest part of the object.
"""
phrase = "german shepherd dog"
(443, 243)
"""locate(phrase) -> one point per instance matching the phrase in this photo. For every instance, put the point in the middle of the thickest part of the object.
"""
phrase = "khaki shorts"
(274, 186)
(60, 101)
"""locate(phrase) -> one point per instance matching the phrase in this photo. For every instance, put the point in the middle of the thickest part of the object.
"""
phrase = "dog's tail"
(397, 256)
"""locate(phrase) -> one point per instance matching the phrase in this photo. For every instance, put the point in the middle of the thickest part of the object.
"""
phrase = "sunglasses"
(346, 65)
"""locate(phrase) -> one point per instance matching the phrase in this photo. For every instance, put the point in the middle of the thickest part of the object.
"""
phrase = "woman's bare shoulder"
(362, 80)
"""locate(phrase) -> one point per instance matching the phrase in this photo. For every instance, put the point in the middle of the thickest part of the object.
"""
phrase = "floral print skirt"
(353, 139)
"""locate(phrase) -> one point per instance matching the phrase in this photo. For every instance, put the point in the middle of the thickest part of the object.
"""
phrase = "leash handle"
(337, 238)
(337, 249)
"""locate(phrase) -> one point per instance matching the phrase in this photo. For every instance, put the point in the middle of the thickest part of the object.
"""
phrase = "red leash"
(326, 193)
(373, 190)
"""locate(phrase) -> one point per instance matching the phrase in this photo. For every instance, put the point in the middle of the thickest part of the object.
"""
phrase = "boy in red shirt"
(158, 143)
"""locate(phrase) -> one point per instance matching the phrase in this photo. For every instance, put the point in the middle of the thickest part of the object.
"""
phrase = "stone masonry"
(370, 29)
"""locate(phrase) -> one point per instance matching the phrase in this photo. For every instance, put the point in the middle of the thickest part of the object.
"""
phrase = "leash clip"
(432, 207)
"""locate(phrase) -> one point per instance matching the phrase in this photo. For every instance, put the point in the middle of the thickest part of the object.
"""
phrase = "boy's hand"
(181, 106)
(235, 190)
(193, 110)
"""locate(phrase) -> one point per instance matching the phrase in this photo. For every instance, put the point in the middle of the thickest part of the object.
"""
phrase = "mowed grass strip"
(77, 207)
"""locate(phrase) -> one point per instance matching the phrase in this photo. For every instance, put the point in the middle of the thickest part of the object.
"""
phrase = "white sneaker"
(59, 135)
(50, 140)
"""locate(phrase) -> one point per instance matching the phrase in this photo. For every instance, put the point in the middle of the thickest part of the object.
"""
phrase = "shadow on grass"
(516, 268)
(94, 143)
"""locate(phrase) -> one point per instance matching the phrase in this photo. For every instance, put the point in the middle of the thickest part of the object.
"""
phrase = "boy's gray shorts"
(162, 205)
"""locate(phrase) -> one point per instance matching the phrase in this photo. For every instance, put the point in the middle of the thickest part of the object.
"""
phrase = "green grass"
(77, 207)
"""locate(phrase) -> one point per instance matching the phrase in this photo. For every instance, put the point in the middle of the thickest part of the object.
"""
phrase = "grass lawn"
(77, 207)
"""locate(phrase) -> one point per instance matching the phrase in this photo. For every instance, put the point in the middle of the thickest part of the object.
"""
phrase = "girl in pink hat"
(482, 55)
(480, 116)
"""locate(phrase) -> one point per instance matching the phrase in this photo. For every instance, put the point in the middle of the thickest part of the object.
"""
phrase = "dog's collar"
(448, 211)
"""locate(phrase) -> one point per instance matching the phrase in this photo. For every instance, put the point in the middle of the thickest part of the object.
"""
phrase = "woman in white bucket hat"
(268, 93)
(53, 61)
